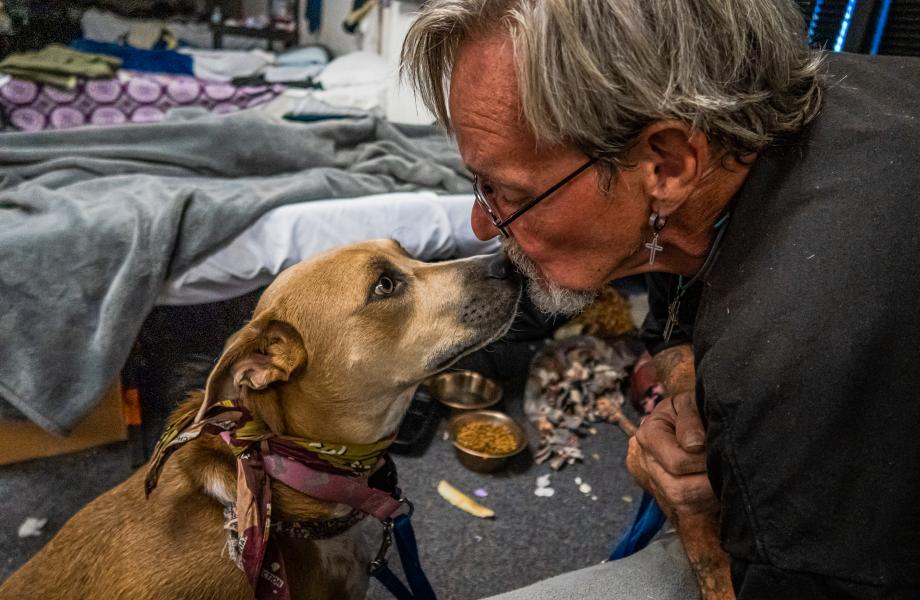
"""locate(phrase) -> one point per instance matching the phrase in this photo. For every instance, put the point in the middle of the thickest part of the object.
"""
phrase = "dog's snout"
(500, 267)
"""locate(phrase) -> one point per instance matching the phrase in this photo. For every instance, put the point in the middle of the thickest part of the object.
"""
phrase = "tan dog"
(334, 352)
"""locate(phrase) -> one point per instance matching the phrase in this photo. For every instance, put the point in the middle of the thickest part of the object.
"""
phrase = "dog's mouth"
(445, 359)
(453, 357)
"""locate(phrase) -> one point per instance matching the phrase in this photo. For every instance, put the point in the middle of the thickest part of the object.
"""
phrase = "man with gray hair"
(770, 194)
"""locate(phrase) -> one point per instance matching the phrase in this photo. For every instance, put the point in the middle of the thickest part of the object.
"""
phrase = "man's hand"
(667, 457)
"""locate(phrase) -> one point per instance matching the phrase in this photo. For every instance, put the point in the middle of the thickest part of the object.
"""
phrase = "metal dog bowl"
(465, 390)
(485, 462)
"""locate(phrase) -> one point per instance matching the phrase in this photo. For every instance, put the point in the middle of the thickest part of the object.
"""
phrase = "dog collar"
(245, 429)
(301, 530)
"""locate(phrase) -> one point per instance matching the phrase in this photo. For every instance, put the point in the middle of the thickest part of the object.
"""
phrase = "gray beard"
(546, 295)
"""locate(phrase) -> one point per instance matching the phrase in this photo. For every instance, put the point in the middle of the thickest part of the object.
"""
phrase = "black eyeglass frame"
(502, 224)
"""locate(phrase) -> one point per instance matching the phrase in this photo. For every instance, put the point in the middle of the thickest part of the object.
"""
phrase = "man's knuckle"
(642, 435)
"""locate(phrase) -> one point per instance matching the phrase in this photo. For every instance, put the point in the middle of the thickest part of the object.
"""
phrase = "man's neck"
(691, 229)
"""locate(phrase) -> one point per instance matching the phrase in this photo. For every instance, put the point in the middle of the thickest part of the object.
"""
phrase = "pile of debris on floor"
(581, 380)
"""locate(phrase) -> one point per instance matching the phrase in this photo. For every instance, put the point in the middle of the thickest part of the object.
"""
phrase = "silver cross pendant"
(654, 248)
(657, 223)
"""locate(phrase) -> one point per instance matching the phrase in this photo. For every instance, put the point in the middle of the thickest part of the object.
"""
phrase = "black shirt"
(806, 334)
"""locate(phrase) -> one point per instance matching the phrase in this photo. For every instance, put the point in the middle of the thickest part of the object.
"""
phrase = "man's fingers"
(656, 438)
(685, 494)
(688, 426)
(634, 464)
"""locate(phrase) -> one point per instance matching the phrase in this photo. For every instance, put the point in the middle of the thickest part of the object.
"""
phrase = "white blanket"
(429, 226)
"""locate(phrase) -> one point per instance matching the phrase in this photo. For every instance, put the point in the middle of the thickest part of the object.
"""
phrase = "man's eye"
(385, 286)
(497, 198)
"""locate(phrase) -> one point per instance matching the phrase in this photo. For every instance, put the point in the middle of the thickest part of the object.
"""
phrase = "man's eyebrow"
(478, 172)
(498, 180)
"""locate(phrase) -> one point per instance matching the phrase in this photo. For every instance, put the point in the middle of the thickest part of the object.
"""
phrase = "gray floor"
(531, 538)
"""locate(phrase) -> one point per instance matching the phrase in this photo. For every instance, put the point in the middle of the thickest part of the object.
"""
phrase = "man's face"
(576, 240)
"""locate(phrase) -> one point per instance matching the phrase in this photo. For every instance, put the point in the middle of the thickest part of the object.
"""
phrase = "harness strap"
(392, 583)
(408, 555)
(331, 487)
(401, 529)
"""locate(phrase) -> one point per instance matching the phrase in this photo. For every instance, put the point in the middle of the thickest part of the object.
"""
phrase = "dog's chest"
(334, 568)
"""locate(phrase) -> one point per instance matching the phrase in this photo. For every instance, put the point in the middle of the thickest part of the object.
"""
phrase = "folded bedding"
(226, 65)
(93, 221)
(139, 59)
(59, 65)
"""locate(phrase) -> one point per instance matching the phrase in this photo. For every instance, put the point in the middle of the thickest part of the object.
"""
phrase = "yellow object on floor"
(463, 502)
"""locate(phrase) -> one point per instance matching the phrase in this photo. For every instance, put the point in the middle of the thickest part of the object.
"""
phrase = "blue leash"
(648, 521)
(401, 529)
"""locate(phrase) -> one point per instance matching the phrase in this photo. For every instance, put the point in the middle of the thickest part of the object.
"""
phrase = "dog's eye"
(385, 286)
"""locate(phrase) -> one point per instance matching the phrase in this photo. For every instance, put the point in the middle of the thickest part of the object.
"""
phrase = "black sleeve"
(662, 288)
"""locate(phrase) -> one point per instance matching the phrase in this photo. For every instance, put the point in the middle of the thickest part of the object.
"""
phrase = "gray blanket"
(92, 221)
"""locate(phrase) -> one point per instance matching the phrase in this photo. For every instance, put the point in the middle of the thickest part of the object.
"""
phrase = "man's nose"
(482, 225)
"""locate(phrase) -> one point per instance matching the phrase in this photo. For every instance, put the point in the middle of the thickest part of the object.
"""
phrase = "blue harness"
(419, 588)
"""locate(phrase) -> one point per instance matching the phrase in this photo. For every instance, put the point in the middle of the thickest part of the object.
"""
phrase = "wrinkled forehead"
(485, 108)
(483, 82)
(336, 279)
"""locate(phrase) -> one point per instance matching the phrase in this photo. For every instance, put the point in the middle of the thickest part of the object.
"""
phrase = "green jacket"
(59, 65)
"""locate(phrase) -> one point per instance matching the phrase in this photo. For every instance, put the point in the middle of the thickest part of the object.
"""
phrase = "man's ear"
(263, 352)
(676, 158)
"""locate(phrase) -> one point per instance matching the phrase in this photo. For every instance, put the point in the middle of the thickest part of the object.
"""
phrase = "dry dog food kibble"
(493, 438)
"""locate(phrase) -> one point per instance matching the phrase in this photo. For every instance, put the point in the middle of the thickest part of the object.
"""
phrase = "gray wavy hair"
(594, 73)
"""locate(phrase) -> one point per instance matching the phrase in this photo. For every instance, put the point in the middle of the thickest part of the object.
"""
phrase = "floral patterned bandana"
(251, 441)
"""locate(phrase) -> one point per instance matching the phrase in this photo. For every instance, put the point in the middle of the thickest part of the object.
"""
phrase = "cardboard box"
(23, 440)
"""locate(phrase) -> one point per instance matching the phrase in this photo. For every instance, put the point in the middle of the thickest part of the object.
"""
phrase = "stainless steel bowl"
(485, 462)
(465, 390)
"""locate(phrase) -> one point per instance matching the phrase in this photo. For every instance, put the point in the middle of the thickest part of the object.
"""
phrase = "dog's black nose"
(500, 267)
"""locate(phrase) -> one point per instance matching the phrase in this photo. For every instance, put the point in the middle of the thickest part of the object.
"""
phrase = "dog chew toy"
(463, 502)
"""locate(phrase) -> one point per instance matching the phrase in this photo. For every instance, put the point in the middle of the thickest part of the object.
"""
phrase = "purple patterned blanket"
(129, 98)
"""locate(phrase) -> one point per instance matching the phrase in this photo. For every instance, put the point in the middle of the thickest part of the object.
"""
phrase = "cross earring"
(657, 223)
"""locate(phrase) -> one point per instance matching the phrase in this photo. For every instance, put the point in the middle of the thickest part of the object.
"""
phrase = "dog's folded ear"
(263, 352)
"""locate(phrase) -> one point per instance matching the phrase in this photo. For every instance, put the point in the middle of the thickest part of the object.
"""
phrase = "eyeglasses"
(502, 224)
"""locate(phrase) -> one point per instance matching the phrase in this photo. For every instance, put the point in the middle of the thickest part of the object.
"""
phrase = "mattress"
(131, 97)
(428, 225)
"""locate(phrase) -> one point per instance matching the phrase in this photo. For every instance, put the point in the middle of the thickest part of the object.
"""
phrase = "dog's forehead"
(338, 271)
(349, 262)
